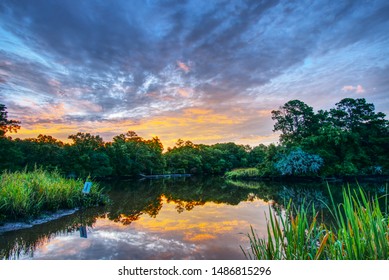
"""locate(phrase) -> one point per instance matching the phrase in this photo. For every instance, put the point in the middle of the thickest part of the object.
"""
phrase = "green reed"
(360, 231)
(27, 194)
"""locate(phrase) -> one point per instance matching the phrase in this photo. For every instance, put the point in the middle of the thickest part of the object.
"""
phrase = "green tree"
(132, 155)
(355, 114)
(44, 151)
(213, 160)
(296, 120)
(352, 138)
(267, 166)
(257, 155)
(235, 156)
(86, 141)
(366, 133)
(11, 156)
(5, 124)
(184, 157)
(87, 156)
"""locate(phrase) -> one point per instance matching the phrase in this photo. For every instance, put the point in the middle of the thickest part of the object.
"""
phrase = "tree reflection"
(25, 241)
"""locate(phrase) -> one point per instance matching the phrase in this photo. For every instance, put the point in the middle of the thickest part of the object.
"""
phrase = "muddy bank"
(47, 217)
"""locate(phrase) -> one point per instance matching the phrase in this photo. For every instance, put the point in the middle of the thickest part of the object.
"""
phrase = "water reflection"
(24, 242)
(186, 218)
(83, 226)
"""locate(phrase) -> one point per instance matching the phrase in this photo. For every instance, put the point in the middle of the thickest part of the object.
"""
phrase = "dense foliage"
(350, 138)
(346, 140)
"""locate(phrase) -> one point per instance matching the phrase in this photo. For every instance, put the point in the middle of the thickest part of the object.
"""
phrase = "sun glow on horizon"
(199, 125)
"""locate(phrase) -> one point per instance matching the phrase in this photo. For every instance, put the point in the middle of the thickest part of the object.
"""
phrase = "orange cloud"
(200, 125)
(185, 92)
(183, 66)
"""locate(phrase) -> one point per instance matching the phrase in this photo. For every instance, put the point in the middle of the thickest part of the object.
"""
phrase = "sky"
(199, 70)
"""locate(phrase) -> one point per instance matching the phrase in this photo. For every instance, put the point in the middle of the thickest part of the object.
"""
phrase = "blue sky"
(206, 71)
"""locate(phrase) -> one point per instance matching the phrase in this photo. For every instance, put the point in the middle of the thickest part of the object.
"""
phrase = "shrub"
(298, 162)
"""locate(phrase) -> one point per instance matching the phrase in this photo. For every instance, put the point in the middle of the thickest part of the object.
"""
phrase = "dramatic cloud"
(86, 65)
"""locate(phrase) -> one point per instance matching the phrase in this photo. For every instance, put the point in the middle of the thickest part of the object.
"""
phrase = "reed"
(360, 231)
(362, 228)
(24, 195)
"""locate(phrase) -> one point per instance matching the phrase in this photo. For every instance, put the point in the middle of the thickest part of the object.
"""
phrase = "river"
(180, 218)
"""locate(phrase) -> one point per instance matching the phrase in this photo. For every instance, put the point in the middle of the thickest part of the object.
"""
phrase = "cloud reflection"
(210, 231)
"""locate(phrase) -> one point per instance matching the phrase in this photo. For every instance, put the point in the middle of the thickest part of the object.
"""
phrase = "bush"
(298, 162)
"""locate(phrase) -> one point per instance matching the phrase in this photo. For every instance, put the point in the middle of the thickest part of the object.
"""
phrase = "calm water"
(186, 218)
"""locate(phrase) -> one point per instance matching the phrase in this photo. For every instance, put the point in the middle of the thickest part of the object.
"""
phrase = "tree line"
(348, 139)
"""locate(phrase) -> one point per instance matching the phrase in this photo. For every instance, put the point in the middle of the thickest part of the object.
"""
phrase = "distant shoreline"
(340, 178)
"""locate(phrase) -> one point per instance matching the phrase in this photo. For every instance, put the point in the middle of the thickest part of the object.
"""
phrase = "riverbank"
(44, 218)
(253, 174)
(25, 196)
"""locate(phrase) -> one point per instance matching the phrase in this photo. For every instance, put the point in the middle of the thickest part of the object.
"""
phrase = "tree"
(295, 120)
(129, 136)
(11, 156)
(132, 155)
(368, 132)
(298, 162)
(86, 141)
(257, 155)
(266, 166)
(185, 157)
(47, 139)
(87, 156)
(44, 151)
(5, 124)
(356, 114)
(235, 156)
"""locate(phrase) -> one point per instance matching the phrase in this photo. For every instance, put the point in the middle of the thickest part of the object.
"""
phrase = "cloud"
(184, 67)
(360, 89)
(356, 89)
(132, 61)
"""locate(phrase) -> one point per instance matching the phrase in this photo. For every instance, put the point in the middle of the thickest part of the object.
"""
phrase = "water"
(185, 218)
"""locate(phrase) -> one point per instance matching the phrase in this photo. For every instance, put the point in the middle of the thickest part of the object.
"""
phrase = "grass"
(360, 231)
(242, 173)
(25, 195)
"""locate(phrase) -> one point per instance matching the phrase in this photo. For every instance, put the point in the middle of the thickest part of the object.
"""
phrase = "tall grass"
(360, 231)
(27, 194)
(242, 173)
